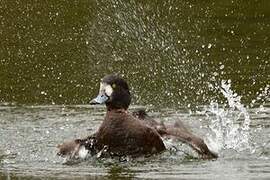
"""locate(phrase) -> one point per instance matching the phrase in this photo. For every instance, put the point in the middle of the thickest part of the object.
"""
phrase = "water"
(205, 62)
(228, 133)
(29, 136)
(56, 52)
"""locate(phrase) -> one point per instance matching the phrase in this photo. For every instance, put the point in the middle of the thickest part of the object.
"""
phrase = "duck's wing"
(180, 125)
(72, 148)
(198, 144)
(152, 140)
(178, 131)
(145, 118)
(68, 148)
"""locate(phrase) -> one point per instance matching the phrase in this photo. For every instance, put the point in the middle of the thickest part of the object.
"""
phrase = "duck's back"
(126, 135)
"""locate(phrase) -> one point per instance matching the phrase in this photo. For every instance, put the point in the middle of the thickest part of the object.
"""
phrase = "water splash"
(230, 126)
(263, 95)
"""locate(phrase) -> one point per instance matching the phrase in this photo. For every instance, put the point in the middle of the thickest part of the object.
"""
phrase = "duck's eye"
(108, 90)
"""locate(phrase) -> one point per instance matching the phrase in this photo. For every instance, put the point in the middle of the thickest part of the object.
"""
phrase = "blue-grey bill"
(100, 99)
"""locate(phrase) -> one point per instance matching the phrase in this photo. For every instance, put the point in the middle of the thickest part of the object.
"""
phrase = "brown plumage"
(179, 132)
(126, 135)
(120, 133)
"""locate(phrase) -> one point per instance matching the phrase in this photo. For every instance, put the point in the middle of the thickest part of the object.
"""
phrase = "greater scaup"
(122, 133)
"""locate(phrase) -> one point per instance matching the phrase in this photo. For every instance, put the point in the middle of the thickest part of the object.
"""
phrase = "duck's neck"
(118, 110)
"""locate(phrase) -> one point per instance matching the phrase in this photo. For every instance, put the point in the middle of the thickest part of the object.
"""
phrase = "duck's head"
(114, 92)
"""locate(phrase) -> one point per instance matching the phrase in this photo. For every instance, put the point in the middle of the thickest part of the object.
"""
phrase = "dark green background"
(169, 51)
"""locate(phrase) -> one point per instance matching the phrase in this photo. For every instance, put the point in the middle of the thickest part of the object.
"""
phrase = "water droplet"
(221, 67)
(43, 93)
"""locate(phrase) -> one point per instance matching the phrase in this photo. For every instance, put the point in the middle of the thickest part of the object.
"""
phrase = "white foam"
(227, 132)
(83, 152)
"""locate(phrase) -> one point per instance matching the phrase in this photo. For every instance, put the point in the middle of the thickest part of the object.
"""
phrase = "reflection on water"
(119, 172)
(114, 172)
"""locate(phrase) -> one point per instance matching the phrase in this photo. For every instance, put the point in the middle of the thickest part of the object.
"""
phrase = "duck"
(120, 133)
(124, 133)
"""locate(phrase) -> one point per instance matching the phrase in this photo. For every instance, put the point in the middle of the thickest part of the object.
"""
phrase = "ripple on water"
(29, 136)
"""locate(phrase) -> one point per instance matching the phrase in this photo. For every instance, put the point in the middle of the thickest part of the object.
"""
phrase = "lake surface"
(29, 136)
(204, 62)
